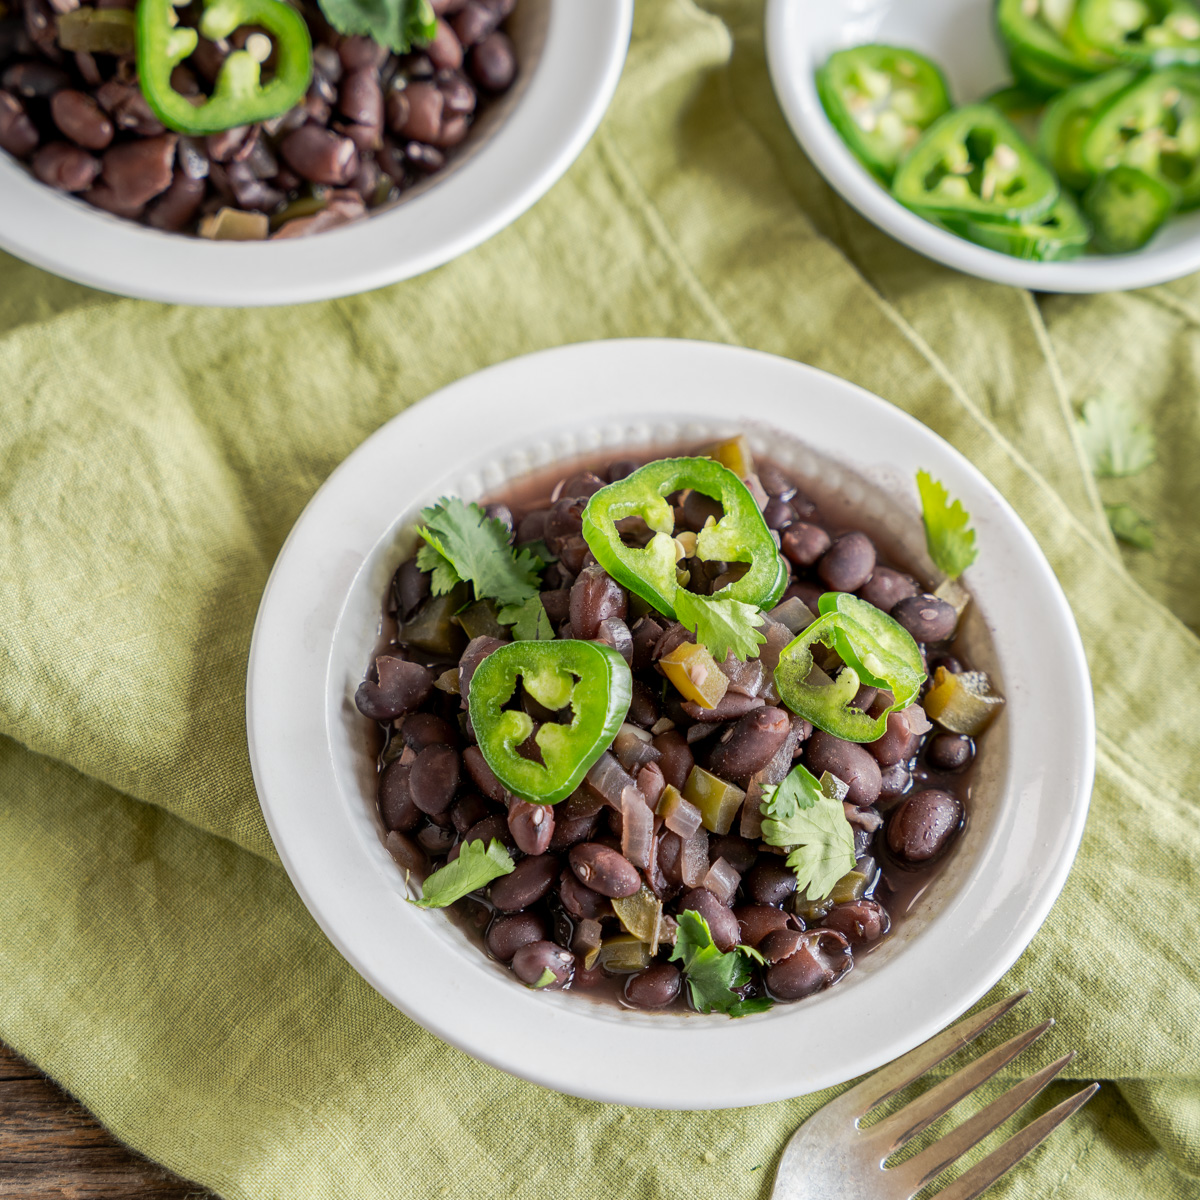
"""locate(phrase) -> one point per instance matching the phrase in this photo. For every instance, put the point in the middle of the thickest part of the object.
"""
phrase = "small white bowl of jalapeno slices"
(1051, 144)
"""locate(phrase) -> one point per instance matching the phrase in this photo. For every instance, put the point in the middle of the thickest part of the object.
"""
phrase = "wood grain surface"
(52, 1147)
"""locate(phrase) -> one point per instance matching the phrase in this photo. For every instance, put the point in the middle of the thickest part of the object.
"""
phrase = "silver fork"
(829, 1155)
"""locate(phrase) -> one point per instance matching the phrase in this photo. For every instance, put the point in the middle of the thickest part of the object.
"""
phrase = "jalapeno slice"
(973, 162)
(1068, 119)
(1022, 107)
(1153, 125)
(593, 680)
(1063, 233)
(1034, 32)
(740, 536)
(1145, 32)
(880, 99)
(1127, 207)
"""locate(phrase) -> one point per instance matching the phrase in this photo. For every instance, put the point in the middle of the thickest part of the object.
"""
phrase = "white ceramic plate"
(960, 36)
(317, 629)
(570, 56)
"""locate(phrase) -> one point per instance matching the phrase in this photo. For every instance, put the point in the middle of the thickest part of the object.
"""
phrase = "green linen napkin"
(153, 955)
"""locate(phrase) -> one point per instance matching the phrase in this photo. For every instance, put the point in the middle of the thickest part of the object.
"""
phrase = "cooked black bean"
(18, 135)
(579, 899)
(769, 881)
(65, 167)
(138, 171)
(860, 922)
(699, 508)
(474, 21)
(736, 851)
(481, 774)
(677, 758)
(898, 743)
(493, 62)
(570, 831)
(755, 921)
(526, 883)
(803, 543)
(532, 826)
(493, 827)
(402, 687)
(894, 781)
(595, 597)
(949, 662)
(320, 155)
(408, 854)
(722, 924)
(507, 934)
(82, 120)
(543, 965)
(360, 98)
(928, 618)
(604, 870)
(778, 514)
(433, 779)
(847, 761)
(781, 943)
(467, 811)
(437, 840)
(924, 825)
(822, 958)
(421, 729)
(655, 987)
(949, 751)
(34, 80)
(477, 650)
(445, 51)
(395, 801)
(886, 588)
(750, 743)
(177, 207)
(810, 593)
(848, 563)
(357, 52)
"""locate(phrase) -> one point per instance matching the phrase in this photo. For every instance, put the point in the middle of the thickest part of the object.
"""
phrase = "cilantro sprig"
(530, 621)
(948, 534)
(807, 814)
(1116, 443)
(463, 543)
(1129, 526)
(721, 625)
(713, 976)
(398, 24)
(475, 867)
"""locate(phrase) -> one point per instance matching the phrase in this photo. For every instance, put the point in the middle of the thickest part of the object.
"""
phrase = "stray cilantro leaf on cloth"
(1130, 527)
(721, 625)
(950, 540)
(463, 542)
(803, 814)
(475, 867)
(394, 23)
(1116, 442)
(530, 621)
(711, 975)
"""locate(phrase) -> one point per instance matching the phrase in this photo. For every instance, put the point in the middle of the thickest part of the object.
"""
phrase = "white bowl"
(570, 57)
(318, 628)
(960, 36)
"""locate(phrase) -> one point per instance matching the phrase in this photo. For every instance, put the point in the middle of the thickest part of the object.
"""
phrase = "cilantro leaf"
(951, 542)
(394, 23)
(802, 814)
(711, 975)
(475, 867)
(721, 625)
(445, 577)
(1130, 527)
(530, 621)
(1115, 441)
(475, 547)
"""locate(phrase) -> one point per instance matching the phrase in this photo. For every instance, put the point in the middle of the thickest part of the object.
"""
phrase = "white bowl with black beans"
(522, 992)
(324, 148)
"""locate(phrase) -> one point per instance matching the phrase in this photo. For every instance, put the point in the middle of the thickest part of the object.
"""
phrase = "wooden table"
(52, 1147)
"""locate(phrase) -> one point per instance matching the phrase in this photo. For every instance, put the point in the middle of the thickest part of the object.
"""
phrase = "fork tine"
(933, 1160)
(876, 1088)
(985, 1172)
(901, 1127)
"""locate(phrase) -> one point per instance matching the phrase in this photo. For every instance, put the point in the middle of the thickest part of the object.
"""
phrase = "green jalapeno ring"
(741, 535)
(593, 679)
(239, 96)
(1148, 34)
(1063, 233)
(1068, 119)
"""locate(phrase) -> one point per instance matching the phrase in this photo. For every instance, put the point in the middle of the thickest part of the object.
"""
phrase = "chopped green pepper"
(1127, 207)
(97, 31)
(590, 677)
(973, 162)
(1144, 32)
(741, 535)
(695, 674)
(239, 96)
(718, 801)
(962, 703)
(432, 627)
(1068, 119)
(876, 651)
(880, 99)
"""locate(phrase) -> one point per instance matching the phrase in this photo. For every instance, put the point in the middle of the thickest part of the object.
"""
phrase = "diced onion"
(693, 858)
(681, 816)
(608, 779)
(634, 748)
(615, 633)
(651, 781)
(637, 827)
(793, 613)
(722, 880)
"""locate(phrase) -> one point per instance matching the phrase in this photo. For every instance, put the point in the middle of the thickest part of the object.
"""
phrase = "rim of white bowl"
(793, 79)
(572, 85)
(317, 625)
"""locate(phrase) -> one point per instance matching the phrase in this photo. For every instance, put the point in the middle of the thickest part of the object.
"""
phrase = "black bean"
(897, 744)
(750, 743)
(779, 944)
(177, 207)
(477, 650)
(106, 198)
(894, 781)
(570, 831)
(677, 758)
(139, 171)
(445, 50)
(474, 21)
(526, 883)
(779, 514)
(755, 921)
(221, 147)
(481, 774)
(360, 97)
(395, 801)
(82, 120)
(127, 106)
(803, 543)
(821, 960)
(923, 826)
(358, 51)
(467, 811)
(807, 592)
(408, 854)
(437, 840)
(533, 963)
(491, 828)
(722, 924)
(847, 761)
(33, 80)
(860, 922)
(848, 563)
(949, 751)
(421, 729)
(565, 520)
(66, 167)
(770, 881)
(18, 135)
(735, 850)
(434, 779)
(886, 588)
(320, 155)
(493, 62)
(595, 597)
(697, 509)
(532, 826)
(507, 934)
(579, 899)
(604, 870)
(402, 685)
(928, 618)
(656, 987)
(951, 664)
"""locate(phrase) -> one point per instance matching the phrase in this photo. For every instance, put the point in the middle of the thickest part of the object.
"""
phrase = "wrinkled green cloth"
(153, 955)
